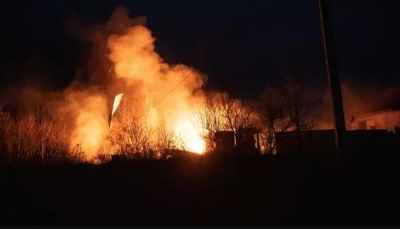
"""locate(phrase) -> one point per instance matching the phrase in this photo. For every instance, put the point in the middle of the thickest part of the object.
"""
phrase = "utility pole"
(333, 75)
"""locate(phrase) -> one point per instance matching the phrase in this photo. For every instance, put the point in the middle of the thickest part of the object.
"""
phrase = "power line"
(155, 104)
(166, 95)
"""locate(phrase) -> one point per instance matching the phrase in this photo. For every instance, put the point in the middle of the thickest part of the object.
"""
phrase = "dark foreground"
(207, 190)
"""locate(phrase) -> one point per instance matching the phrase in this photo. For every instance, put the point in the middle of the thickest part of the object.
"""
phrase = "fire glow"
(171, 91)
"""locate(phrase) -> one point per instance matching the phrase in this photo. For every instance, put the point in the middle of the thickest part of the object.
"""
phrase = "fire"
(193, 142)
(167, 92)
(91, 124)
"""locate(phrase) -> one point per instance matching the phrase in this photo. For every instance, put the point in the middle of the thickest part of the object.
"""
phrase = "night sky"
(241, 45)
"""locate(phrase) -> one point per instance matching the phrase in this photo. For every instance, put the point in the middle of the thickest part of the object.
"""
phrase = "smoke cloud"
(124, 61)
(89, 107)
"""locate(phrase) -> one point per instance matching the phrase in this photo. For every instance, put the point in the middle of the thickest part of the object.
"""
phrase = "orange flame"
(91, 123)
(136, 61)
(172, 92)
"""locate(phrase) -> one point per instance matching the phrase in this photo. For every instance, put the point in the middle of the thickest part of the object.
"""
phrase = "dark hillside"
(204, 190)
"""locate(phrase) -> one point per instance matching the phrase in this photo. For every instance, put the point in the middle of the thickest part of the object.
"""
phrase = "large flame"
(90, 125)
(168, 93)
(171, 89)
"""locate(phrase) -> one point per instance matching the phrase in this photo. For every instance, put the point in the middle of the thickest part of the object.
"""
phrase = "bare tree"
(165, 141)
(236, 112)
(130, 133)
(5, 131)
(271, 109)
(39, 134)
(58, 141)
(301, 102)
(220, 112)
(209, 119)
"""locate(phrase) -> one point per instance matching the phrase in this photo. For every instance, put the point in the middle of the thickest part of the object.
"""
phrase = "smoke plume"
(136, 70)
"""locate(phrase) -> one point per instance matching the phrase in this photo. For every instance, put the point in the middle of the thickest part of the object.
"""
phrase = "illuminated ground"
(202, 191)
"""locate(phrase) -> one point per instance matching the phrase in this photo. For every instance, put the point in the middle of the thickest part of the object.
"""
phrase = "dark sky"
(241, 45)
